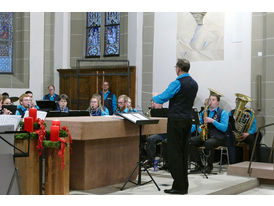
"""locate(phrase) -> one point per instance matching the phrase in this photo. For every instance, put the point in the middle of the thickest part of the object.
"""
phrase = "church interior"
(108, 68)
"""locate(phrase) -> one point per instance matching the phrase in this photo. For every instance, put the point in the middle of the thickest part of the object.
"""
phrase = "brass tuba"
(204, 132)
(242, 116)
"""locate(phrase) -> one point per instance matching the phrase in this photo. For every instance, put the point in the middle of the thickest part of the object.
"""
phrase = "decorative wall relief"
(200, 36)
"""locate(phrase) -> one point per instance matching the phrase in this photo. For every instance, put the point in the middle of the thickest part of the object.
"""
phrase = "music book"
(40, 114)
(10, 120)
(138, 118)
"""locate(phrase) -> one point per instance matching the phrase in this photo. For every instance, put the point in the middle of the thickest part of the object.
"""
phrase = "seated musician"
(3, 111)
(51, 96)
(152, 140)
(24, 101)
(122, 106)
(247, 136)
(6, 101)
(217, 123)
(62, 105)
(32, 104)
(128, 103)
(95, 107)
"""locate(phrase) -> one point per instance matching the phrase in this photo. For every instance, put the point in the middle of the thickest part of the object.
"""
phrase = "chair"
(224, 151)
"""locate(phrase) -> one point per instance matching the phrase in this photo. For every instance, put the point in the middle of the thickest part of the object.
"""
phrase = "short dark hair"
(5, 94)
(217, 96)
(183, 64)
(28, 92)
(63, 96)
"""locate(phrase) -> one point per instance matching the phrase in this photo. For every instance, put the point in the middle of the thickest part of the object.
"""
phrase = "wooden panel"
(56, 180)
(87, 84)
(30, 170)
(88, 128)
(97, 163)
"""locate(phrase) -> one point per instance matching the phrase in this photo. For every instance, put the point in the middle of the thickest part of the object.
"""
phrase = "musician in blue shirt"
(24, 101)
(217, 123)
(110, 100)
(51, 96)
(62, 105)
(181, 94)
(95, 108)
(128, 103)
(122, 106)
(247, 137)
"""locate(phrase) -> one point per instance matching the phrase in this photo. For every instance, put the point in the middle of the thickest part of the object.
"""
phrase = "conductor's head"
(182, 66)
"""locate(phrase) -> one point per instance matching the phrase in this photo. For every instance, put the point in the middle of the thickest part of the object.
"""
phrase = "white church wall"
(231, 75)
(135, 38)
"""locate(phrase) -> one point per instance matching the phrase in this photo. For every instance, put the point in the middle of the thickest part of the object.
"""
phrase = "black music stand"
(7, 159)
(139, 120)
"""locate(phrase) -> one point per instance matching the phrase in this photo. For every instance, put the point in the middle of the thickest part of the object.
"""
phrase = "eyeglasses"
(121, 102)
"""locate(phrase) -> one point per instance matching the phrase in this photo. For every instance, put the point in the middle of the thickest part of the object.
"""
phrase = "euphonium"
(204, 132)
(242, 116)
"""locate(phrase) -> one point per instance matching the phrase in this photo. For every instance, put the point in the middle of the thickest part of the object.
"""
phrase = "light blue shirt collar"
(183, 75)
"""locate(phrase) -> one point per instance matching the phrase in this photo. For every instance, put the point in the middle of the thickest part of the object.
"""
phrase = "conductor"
(181, 94)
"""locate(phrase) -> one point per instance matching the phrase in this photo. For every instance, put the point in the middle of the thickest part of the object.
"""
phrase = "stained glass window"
(93, 34)
(6, 20)
(112, 34)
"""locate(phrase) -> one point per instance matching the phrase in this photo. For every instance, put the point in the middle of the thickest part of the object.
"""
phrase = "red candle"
(33, 113)
(28, 124)
(56, 123)
(54, 133)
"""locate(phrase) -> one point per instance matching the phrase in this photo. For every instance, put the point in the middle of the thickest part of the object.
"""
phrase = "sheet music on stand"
(138, 118)
(10, 120)
(40, 114)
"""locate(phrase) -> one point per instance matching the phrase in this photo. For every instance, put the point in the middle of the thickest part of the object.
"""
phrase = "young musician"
(95, 108)
(217, 123)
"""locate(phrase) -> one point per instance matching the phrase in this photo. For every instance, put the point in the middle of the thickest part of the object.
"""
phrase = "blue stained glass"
(93, 34)
(112, 34)
(93, 41)
(112, 18)
(6, 20)
(94, 19)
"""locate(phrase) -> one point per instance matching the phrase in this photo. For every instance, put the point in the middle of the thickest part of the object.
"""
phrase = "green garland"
(33, 135)
(20, 136)
(50, 144)
(35, 125)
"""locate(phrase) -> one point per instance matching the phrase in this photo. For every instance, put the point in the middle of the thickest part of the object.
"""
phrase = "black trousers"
(210, 144)
(250, 140)
(178, 134)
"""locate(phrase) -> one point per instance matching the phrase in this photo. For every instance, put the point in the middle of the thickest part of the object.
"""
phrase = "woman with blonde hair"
(95, 107)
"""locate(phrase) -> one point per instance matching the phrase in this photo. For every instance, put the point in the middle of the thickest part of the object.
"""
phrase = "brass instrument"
(204, 132)
(242, 116)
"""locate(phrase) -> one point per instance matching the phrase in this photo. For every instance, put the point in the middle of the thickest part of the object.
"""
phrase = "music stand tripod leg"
(140, 164)
(128, 179)
(15, 175)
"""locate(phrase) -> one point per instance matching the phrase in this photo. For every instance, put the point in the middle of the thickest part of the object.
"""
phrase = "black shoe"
(175, 192)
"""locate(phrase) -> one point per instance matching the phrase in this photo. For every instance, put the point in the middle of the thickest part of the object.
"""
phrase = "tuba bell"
(204, 132)
(242, 116)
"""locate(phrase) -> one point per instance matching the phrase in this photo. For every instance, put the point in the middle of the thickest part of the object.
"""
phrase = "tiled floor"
(198, 185)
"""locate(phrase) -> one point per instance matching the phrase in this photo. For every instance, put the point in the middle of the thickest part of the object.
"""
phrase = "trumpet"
(204, 127)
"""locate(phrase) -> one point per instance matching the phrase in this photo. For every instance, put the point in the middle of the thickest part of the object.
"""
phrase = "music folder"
(46, 105)
(138, 118)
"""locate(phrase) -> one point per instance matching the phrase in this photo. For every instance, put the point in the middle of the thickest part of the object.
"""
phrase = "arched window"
(110, 34)
(93, 34)
(6, 24)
